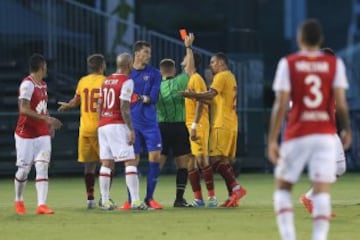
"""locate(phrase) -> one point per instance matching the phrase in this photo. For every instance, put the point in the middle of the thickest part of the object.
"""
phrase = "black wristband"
(189, 47)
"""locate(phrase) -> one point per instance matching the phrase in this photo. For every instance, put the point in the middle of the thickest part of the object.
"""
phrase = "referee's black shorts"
(175, 137)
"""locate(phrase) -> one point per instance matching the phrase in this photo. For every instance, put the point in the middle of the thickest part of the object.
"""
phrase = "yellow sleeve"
(189, 84)
(218, 83)
(200, 85)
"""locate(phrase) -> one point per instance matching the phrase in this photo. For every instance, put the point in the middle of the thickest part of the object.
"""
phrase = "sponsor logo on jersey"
(41, 108)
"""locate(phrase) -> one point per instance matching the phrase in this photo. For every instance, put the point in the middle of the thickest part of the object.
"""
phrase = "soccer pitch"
(254, 219)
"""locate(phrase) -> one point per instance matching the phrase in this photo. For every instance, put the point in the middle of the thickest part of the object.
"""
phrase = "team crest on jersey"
(41, 108)
(146, 78)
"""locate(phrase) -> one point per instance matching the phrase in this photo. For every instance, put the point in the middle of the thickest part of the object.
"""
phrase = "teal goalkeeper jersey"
(171, 105)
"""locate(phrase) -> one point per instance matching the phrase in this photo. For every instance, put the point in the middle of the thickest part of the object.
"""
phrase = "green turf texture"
(254, 219)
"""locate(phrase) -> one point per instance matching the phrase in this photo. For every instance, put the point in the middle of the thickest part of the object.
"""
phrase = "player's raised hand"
(273, 152)
(63, 106)
(131, 138)
(346, 138)
(189, 40)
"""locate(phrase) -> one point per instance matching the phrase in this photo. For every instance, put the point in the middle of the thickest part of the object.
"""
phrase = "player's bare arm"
(51, 129)
(342, 113)
(73, 103)
(125, 113)
(189, 58)
(24, 108)
(277, 116)
(198, 111)
(203, 96)
(205, 101)
(98, 108)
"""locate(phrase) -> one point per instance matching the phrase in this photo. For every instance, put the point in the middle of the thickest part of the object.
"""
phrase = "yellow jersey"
(223, 106)
(197, 84)
(88, 90)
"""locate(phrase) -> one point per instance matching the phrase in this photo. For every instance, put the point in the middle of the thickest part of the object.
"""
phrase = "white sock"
(42, 184)
(19, 190)
(284, 214)
(321, 215)
(20, 183)
(309, 194)
(104, 183)
(132, 182)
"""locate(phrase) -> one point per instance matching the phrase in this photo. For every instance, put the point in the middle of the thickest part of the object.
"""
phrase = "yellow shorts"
(222, 142)
(201, 145)
(88, 150)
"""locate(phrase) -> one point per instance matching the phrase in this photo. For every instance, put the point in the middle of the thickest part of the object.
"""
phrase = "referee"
(171, 117)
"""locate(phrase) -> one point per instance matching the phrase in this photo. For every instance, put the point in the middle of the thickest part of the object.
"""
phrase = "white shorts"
(29, 150)
(317, 152)
(340, 160)
(113, 143)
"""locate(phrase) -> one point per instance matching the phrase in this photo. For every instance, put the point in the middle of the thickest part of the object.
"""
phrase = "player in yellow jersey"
(197, 122)
(224, 124)
(86, 96)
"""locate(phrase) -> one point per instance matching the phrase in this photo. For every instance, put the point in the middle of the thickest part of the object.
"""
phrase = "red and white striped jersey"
(310, 79)
(36, 93)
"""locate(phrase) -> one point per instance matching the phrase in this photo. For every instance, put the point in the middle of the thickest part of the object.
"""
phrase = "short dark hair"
(328, 51)
(311, 32)
(167, 63)
(95, 62)
(140, 45)
(36, 61)
(197, 60)
(222, 56)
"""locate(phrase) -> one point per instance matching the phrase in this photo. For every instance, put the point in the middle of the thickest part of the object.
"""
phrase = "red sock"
(89, 183)
(194, 178)
(226, 171)
(209, 180)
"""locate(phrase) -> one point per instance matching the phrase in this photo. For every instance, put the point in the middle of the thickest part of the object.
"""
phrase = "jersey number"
(316, 95)
(109, 98)
(91, 99)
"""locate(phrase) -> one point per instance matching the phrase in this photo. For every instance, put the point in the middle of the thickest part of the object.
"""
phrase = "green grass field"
(254, 219)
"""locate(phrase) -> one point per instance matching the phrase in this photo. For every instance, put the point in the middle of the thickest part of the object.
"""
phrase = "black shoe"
(182, 204)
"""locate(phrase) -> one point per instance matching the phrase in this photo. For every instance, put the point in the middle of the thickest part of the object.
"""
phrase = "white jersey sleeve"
(26, 90)
(127, 90)
(340, 80)
(282, 77)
